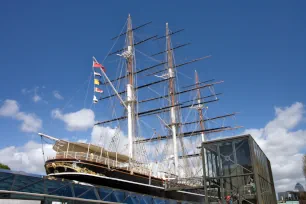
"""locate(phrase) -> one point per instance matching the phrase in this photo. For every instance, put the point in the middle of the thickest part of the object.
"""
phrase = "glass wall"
(23, 186)
(264, 175)
(231, 167)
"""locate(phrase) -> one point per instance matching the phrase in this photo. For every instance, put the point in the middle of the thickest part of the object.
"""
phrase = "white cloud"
(28, 158)
(76, 121)
(103, 136)
(24, 91)
(9, 108)
(36, 98)
(30, 122)
(283, 145)
(82, 140)
(57, 95)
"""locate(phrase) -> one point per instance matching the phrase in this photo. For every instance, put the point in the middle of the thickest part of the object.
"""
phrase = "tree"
(3, 166)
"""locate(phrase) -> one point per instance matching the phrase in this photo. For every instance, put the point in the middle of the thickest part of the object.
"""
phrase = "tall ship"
(153, 125)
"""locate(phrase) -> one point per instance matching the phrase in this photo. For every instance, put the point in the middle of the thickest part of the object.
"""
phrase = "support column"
(130, 99)
(220, 174)
(67, 150)
(255, 170)
(204, 173)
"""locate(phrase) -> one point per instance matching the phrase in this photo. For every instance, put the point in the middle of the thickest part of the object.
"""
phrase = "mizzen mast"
(173, 115)
(200, 106)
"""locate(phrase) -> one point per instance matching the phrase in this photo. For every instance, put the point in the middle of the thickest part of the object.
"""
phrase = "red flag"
(98, 90)
(98, 65)
(103, 68)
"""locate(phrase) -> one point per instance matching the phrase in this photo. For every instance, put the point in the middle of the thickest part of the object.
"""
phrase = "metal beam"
(137, 72)
(204, 82)
(139, 87)
(185, 63)
(190, 155)
(181, 92)
(55, 196)
(153, 111)
(171, 33)
(132, 30)
(138, 43)
(48, 136)
(203, 97)
(179, 46)
(186, 134)
(208, 119)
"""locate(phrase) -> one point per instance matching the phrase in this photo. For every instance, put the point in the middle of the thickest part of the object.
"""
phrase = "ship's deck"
(111, 163)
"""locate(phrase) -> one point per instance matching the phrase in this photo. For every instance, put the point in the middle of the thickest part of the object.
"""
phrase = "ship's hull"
(120, 179)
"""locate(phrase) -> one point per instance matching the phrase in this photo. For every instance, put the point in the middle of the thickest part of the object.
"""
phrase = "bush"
(3, 166)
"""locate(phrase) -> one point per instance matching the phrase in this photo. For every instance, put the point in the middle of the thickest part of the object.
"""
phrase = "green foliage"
(3, 166)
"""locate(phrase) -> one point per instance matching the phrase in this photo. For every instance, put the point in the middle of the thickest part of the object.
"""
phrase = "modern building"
(237, 167)
(288, 195)
(291, 195)
(299, 187)
(24, 188)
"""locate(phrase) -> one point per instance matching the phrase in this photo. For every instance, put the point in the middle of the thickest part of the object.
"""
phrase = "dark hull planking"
(120, 179)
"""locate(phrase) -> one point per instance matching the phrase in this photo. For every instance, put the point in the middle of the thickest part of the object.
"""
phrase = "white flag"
(97, 74)
(95, 100)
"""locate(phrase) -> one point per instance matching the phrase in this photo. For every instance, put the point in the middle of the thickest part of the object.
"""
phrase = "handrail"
(100, 159)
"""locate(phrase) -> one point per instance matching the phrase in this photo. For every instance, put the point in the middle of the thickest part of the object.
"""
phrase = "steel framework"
(22, 186)
(238, 168)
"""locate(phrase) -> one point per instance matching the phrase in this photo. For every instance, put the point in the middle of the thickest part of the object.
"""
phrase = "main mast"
(130, 88)
(172, 97)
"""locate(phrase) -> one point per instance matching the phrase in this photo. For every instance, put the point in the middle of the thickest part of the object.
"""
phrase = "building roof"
(299, 187)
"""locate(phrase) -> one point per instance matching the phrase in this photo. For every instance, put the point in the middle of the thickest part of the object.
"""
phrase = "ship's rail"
(110, 163)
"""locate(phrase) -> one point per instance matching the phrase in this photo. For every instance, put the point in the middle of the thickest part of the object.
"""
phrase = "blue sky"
(258, 48)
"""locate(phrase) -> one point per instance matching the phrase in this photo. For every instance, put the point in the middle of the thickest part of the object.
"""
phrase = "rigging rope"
(114, 42)
(69, 101)
(152, 58)
(112, 103)
(89, 80)
(42, 149)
